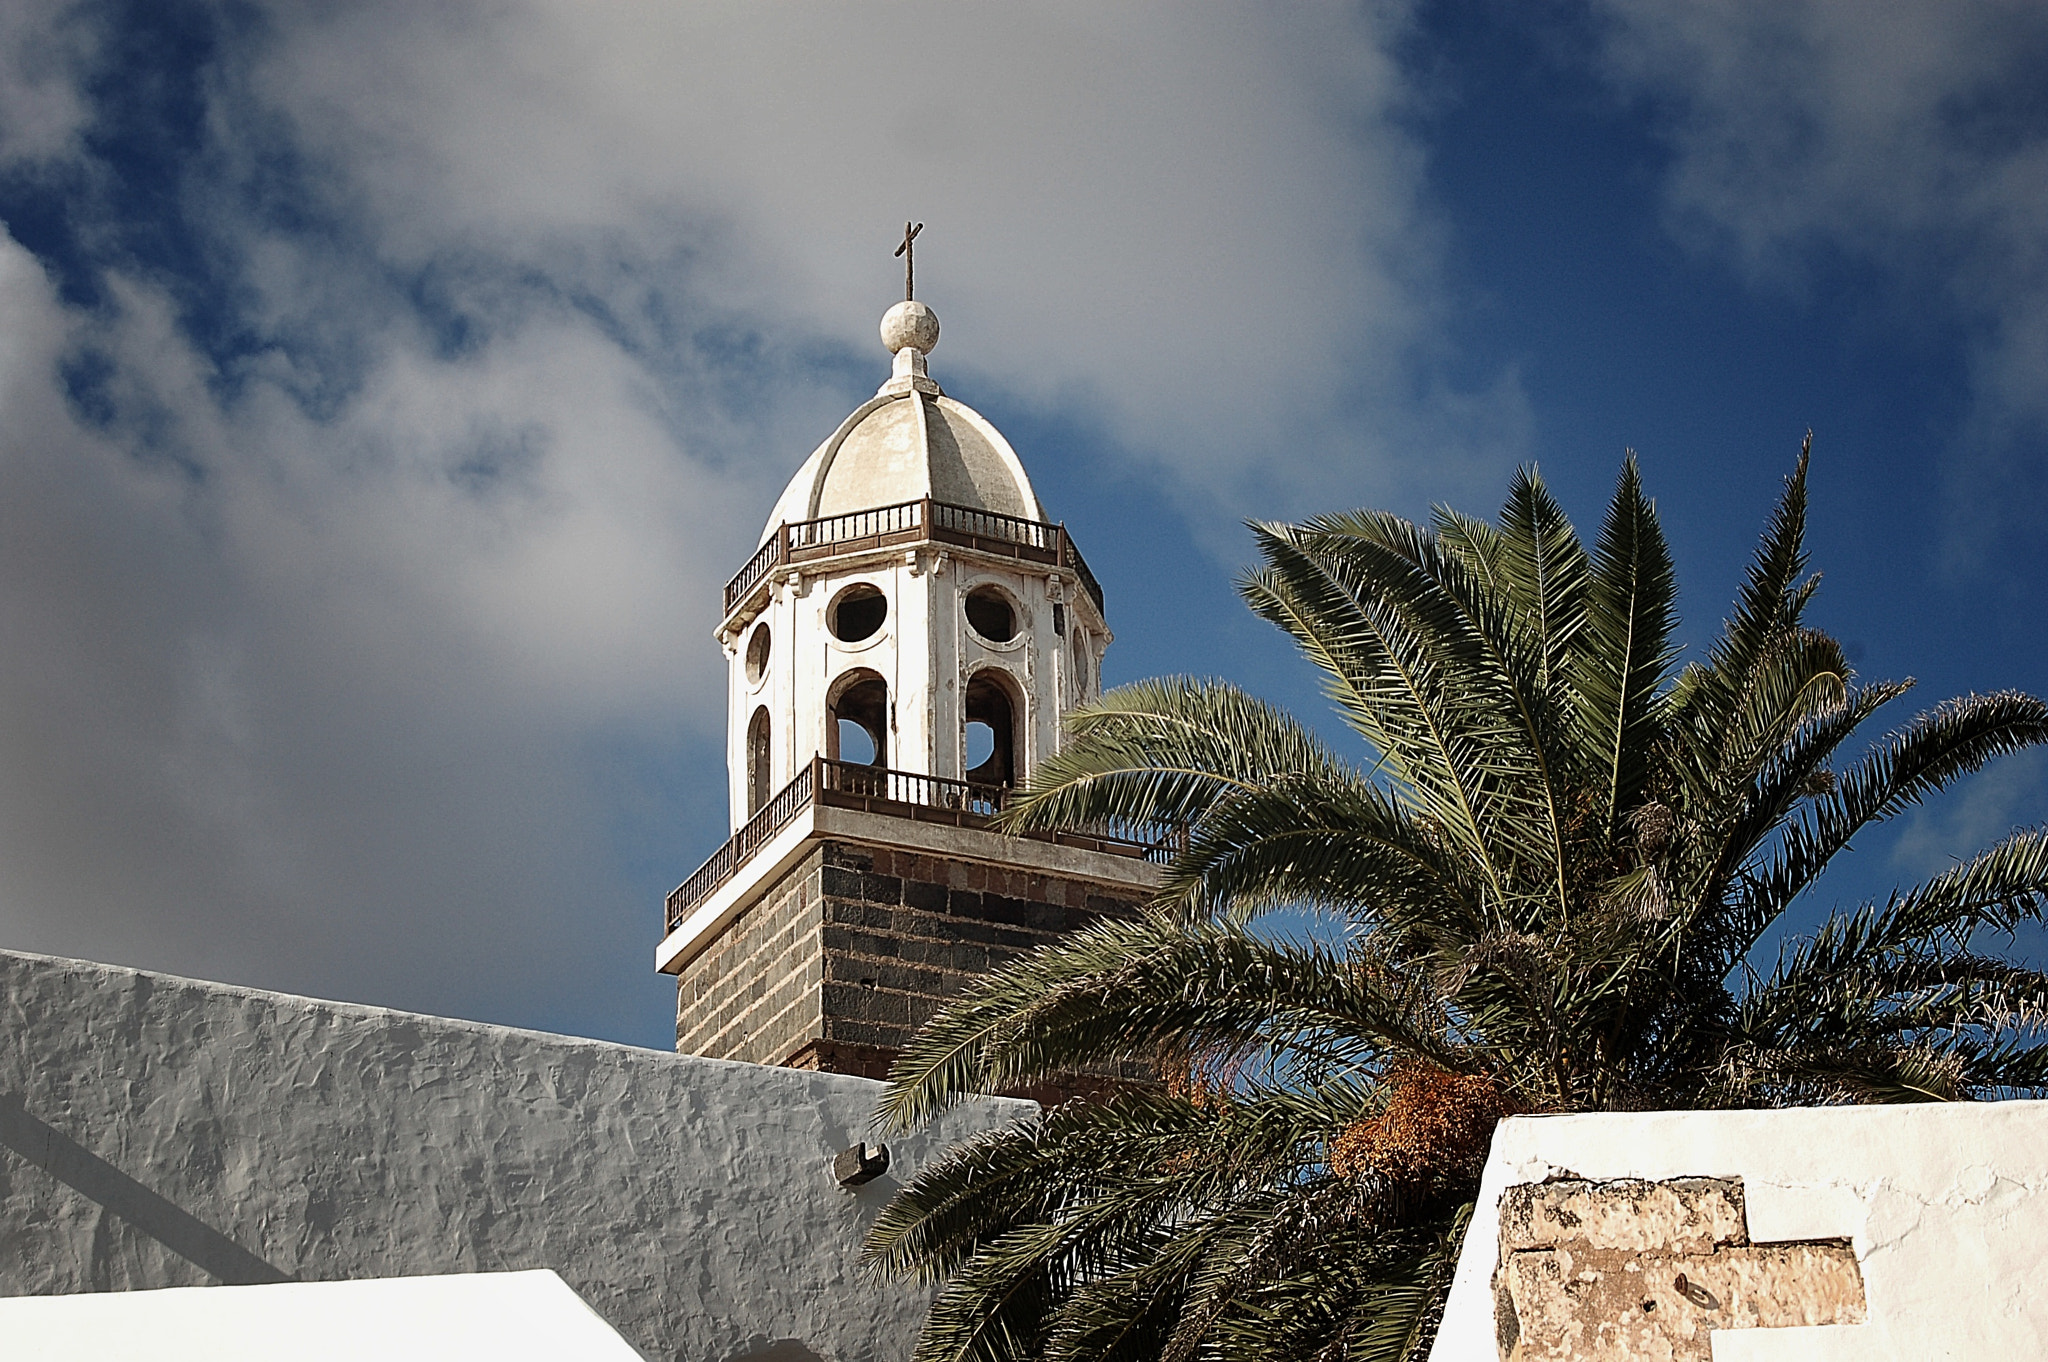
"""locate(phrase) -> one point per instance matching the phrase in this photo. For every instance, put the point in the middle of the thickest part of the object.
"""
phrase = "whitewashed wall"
(1946, 1206)
(159, 1132)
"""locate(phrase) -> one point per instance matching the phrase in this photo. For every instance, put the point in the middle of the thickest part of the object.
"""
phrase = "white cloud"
(1202, 225)
(340, 561)
(1985, 809)
(1911, 136)
(42, 43)
(309, 702)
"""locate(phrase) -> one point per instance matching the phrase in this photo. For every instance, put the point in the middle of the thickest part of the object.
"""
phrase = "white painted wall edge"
(459, 1317)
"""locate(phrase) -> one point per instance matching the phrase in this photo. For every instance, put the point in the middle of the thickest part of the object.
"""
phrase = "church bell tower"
(900, 651)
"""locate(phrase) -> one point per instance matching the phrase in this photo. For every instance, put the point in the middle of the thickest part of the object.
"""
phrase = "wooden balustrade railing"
(913, 522)
(764, 560)
(900, 794)
(849, 784)
(773, 817)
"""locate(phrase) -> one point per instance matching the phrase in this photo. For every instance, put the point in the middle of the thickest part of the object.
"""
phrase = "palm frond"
(1342, 844)
(1859, 958)
(1504, 712)
(1166, 752)
(1118, 991)
(1767, 610)
(1952, 740)
(1548, 576)
(1624, 655)
(1401, 665)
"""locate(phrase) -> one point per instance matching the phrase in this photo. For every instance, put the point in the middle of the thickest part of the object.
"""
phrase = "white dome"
(908, 442)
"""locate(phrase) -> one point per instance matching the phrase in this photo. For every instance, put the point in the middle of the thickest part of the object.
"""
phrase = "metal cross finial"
(909, 254)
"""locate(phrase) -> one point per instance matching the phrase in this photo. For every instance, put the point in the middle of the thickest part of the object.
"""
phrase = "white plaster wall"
(473, 1317)
(915, 707)
(1946, 1205)
(157, 1132)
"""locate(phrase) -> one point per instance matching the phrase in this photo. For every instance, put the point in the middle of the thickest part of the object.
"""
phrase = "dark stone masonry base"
(842, 958)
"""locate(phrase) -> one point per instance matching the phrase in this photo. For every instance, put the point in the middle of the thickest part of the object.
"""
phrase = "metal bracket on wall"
(863, 1163)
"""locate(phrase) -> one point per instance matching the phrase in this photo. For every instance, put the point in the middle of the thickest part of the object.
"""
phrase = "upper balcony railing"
(913, 522)
(900, 794)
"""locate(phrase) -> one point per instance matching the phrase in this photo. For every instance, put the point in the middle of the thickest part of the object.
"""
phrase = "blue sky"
(385, 391)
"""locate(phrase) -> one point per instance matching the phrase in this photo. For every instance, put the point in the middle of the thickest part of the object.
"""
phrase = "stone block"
(903, 977)
(920, 952)
(925, 894)
(842, 940)
(987, 933)
(841, 882)
(1012, 912)
(849, 855)
(865, 1032)
(861, 1003)
(909, 922)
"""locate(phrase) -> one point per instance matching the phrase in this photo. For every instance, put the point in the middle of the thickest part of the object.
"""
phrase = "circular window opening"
(858, 613)
(757, 655)
(990, 615)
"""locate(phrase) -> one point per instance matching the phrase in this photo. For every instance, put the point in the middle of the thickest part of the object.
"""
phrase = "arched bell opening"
(759, 762)
(995, 711)
(857, 720)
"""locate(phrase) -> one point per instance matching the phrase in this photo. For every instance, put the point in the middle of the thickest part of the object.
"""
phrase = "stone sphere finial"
(910, 325)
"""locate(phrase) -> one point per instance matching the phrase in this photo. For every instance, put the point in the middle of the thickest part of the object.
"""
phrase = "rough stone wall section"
(755, 994)
(1632, 1269)
(1945, 1204)
(863, 943)
(157, 1132)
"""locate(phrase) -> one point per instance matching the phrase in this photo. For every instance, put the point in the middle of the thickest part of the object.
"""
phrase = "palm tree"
(1562, 880)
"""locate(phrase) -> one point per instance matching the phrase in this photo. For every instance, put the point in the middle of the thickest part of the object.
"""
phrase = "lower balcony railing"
(900, 794)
